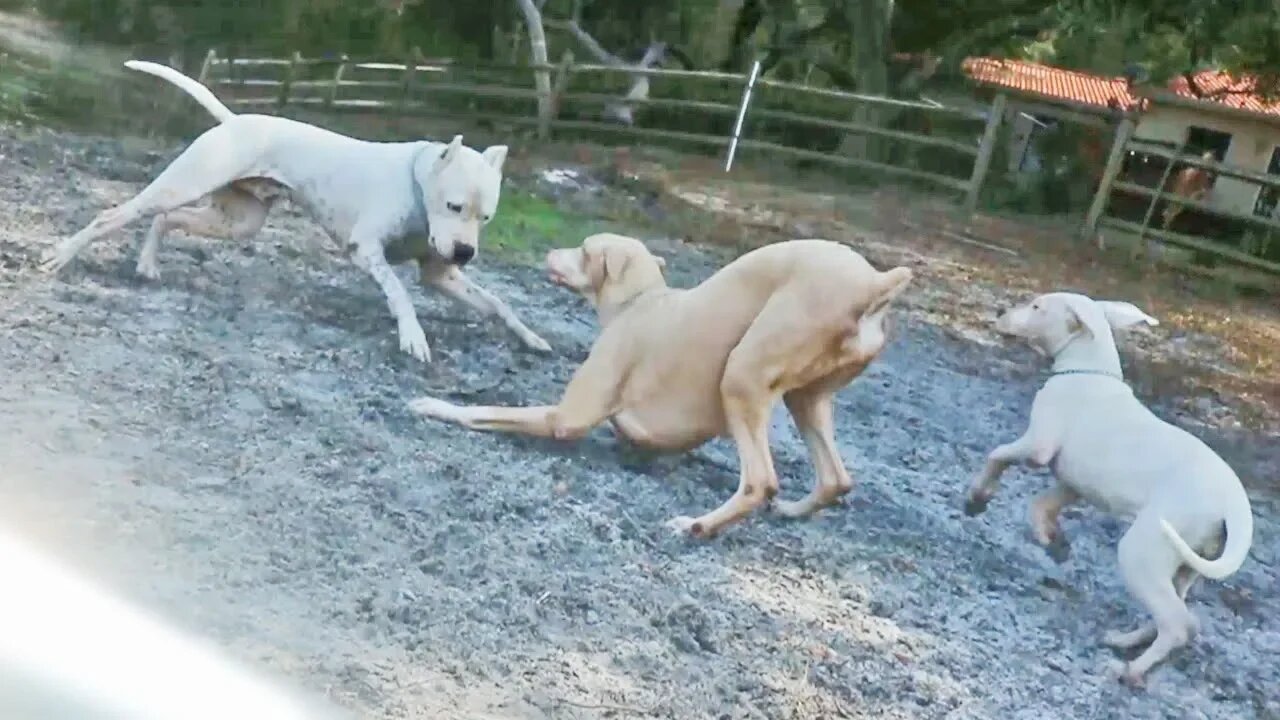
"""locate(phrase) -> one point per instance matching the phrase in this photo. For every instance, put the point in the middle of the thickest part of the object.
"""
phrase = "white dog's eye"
(486, 218)
(454, 207)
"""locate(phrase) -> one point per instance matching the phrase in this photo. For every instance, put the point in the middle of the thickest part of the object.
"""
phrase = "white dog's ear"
(495, 155)
(1121, 315)
(1087, 313)
(451, 151)
(662, 263)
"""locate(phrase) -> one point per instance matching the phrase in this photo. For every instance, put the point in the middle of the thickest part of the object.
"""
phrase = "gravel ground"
(230, 447)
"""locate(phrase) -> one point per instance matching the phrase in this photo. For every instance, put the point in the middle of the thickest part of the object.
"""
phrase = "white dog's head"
(460, 193)
(1049, 322)
(607, 269)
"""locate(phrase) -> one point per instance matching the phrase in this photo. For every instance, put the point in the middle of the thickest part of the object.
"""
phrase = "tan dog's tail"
(1239, 523)
(892, 283)
(198, 92)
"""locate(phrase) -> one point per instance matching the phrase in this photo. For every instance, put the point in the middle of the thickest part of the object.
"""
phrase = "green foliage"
(527, 226)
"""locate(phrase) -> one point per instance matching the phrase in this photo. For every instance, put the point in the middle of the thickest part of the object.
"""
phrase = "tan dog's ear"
(495, 155)
(1121, 315)
(605, 264)
(451, 151)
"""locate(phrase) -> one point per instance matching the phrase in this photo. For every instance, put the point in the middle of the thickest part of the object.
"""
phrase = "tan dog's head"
(460, 193)
(606, 269)
(1049, 322)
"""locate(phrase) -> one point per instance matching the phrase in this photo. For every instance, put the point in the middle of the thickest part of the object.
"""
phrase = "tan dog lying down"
(674, 368)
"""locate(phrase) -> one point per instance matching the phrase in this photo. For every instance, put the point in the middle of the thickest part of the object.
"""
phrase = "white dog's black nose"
(462, 254)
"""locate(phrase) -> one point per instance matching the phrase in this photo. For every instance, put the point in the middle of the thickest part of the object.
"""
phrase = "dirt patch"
(230, 447)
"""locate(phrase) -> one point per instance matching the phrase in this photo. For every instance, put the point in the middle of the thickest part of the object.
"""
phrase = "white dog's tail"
(1239, 523)
(200, 93)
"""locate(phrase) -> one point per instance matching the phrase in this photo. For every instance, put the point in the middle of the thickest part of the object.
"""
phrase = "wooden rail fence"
(405, 87)
(1126, 143)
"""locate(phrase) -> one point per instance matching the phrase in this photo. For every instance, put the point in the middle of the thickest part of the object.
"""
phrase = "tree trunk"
(870, 20)
(538, 55)
(712, 48)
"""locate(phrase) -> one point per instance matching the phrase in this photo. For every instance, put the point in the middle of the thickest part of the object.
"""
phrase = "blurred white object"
(68, 651)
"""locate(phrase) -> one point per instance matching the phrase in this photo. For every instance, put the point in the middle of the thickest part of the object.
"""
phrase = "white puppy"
(1107, 448)
(422, 201)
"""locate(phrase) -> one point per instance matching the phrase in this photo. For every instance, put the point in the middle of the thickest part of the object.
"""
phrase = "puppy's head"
(1048, 322)
(606, 269)
(461, 188)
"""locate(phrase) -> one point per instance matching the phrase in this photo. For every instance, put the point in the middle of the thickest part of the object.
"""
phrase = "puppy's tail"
(200, 93)
(1239, 523)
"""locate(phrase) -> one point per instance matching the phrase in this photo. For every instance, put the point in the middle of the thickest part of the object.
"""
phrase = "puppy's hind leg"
(211, 162)
(1148, 564)
(1182, 582)
(232, 214)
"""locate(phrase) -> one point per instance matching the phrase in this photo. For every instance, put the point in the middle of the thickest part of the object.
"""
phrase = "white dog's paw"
(1124, 673)
(54, 260)
(414, 341)
(148, 269)
(431, 407)
(534, 342)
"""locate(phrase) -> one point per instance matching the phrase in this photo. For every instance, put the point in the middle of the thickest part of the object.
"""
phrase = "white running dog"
(1107, 448)
(422, 201)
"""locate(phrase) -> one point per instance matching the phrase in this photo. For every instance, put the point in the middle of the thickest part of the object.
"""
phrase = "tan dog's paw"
(431, 407)
(684, 525)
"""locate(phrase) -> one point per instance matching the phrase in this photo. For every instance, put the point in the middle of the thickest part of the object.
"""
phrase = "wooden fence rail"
(1123, 144)
(267, 83)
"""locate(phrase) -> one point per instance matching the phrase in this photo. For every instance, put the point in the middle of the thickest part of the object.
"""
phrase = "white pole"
(742, 114)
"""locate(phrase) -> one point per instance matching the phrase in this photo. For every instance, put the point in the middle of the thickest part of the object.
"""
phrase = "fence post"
(985, 150)
(410, 70)
(337, 81)
(558, 87)
(207, 66)
(1114, 160)
(286, 86)
(1140, 250)
(742, 114)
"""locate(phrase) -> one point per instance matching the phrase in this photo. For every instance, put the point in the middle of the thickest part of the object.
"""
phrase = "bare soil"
(230, 447)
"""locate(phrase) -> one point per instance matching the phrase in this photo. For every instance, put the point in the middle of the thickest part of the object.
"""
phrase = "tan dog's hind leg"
(232, 214)
(754, 376)
(812, 410)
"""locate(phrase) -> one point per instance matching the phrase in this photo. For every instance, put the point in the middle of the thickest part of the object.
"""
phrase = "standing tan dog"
(1105, 447)
(674, 368)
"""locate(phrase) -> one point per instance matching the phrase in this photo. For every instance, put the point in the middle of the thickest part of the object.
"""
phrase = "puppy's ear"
(495, 155)
(661, 261)
(1121, 315)
(451, 151)
(1088, 313)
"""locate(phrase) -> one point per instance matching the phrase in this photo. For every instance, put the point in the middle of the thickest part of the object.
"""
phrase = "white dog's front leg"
(451, 281)
(369, 256)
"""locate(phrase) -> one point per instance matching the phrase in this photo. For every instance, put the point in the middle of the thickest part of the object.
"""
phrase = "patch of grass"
(527, 225)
